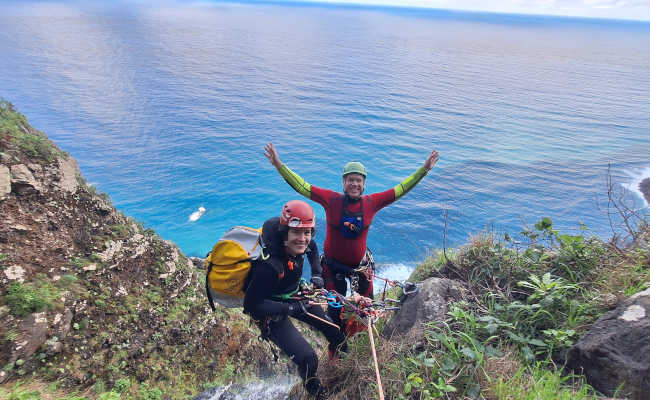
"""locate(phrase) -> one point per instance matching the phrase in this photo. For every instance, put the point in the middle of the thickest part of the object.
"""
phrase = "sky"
(616, 9)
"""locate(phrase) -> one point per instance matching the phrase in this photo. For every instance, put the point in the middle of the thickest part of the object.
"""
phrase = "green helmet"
(354, 167)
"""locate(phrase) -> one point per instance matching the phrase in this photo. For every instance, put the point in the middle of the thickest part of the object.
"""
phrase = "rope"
(374, 357)
(322, 320)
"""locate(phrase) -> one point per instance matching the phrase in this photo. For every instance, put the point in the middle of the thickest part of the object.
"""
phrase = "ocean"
(167, 107)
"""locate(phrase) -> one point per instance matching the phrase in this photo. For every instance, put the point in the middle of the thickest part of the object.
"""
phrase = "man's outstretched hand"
(431, 160)
(272, 155)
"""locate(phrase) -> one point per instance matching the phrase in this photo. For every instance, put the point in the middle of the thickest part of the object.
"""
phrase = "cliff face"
(88, 295)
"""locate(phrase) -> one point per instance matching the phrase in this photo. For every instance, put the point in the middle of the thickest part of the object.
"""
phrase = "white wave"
(196, 214)
(272, 389)
(635, 179)
(395, 272)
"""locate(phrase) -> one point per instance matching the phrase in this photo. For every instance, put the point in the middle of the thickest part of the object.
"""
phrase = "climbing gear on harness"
(354, 167)
(297, 214)
(317, 281)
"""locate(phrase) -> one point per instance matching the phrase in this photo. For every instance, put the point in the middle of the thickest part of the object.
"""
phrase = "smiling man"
(349, 216)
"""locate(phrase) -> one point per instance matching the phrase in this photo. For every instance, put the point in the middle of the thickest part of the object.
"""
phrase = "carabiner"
(333, 302)
(409, 288)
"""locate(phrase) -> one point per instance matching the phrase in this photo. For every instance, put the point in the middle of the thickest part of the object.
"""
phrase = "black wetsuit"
(279, 274)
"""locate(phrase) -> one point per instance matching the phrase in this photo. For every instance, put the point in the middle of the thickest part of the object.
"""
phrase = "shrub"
(24, 299)
(109, 396)
(122, 385)
(147, 393)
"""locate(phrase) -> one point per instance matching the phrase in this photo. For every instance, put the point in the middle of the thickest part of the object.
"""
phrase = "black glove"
(317, 281)
(297, 309)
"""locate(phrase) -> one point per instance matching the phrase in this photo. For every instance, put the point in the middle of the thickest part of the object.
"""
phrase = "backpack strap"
(207, 288)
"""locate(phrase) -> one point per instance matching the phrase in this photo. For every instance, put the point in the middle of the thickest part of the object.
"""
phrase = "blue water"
(167, 108)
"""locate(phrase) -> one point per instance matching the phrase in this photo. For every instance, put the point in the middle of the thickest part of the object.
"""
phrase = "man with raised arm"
(349, 216)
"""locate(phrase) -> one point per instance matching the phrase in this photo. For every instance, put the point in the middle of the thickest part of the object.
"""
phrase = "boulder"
(644, 187)
(68, 173)
(62, 324)
(34, 331)
(616, 350)
(198, 262)
(22, 180)
(5, 182)
(430, 303)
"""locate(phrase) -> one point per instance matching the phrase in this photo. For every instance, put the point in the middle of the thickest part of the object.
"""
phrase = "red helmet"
(297, 214)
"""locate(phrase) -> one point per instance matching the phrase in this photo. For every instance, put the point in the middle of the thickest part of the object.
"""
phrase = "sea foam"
(636, 178)
(196, 214)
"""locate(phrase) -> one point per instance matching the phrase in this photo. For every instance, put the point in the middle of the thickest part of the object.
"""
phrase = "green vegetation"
(526, 305)
(30, 141)
(11, 121)
(19, 393)
(542, 382)
(121, 231)
(26, 298)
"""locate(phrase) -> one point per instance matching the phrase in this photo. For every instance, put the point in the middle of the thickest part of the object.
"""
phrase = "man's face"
(353, 185)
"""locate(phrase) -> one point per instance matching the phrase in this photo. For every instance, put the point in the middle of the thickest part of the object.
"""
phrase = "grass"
(30, 141)
(526, 305)
(542, 382)
(37, 390)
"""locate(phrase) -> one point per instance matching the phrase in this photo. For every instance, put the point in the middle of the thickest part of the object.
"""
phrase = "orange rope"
(374, 357)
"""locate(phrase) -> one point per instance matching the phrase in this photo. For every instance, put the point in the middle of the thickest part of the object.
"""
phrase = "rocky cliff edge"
(88, 296)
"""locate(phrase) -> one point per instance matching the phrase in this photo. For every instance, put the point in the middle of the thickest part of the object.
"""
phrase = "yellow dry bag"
(228, 265)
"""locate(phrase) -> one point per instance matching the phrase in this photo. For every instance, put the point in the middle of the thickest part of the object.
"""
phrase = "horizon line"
(429, 8)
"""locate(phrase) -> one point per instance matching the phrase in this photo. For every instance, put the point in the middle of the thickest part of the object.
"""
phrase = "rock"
(616, 350)
(102, 207)
(428, 304)
(15, 273)
(36, 168)
(644, 187)
(34, 331)
(5, 182)
(69, 170)
(198, 262)
(20, 228)
(90, 267)
(121, 291)
(112, 248)
(22, 180)
(54, 348)
(63, 325)
(6, 158)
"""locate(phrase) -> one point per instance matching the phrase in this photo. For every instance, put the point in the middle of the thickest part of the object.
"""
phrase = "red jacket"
(349, 251)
